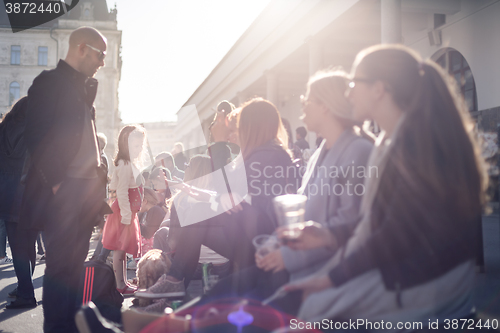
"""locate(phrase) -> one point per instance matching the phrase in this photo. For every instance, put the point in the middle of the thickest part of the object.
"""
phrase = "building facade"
(23, 55)
(292, 39)
(160, 136)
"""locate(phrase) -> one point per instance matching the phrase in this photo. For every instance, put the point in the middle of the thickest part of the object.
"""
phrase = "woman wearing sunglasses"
(411, 257)
(334, 180)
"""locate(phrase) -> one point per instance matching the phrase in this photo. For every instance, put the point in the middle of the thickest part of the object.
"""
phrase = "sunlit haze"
(170, 47)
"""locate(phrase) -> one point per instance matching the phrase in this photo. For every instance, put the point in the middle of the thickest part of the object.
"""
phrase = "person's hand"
(311, 237)
(310, 285)
(228, 199)
(55, 188)
(273, 261)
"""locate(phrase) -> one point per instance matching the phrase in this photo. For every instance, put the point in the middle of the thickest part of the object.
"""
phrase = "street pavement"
(486, 291)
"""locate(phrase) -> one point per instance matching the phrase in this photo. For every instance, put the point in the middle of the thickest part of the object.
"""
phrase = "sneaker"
(39, 256)
(127, 290)
(42, 258)
(158, 306)
(89, 320)
(163, 289)
(13, 293)
(5, 260)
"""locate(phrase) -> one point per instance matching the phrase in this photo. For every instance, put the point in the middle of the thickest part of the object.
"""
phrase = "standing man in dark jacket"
(21, 240)
(63, 192)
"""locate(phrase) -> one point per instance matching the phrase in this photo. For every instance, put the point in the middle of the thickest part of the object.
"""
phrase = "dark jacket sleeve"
(51, 128)
(414, 238)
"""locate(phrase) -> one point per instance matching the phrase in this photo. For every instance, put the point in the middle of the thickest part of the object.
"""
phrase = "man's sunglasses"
(102, 54)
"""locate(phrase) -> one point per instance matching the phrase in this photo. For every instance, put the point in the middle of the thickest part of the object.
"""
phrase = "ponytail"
(434, 151)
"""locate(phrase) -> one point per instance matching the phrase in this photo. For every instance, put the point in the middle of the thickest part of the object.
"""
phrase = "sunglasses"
(353, 81)
(102, 54)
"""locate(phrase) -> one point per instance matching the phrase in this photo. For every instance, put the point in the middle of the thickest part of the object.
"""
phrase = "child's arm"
(124, 174)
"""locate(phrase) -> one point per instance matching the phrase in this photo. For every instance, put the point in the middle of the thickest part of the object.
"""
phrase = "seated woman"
(261, 136)
(334, 191)
(411, 255)
(334, 178)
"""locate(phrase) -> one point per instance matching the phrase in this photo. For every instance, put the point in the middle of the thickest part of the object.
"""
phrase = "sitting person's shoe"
(22, 303)
(163, 289)
(89, 320)
(127, 290)
(13, 293)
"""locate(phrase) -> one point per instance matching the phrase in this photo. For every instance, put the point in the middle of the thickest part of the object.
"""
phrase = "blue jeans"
(3, 239)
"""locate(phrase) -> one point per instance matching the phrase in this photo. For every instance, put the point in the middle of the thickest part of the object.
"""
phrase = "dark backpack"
(98, 285)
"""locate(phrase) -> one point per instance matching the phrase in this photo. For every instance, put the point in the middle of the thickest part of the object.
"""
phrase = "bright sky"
(170, 46)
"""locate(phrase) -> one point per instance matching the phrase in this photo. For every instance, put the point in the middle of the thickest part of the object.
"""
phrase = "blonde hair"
(260, 122)
(328, 87)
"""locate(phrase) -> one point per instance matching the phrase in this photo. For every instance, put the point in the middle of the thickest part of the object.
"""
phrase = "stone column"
(391, 21)
(272, 86)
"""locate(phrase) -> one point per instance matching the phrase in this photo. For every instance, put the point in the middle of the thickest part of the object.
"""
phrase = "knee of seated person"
(160, 239)
(162, 233)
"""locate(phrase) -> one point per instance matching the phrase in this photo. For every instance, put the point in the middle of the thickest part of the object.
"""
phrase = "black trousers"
(228, 235)
(72, 215)
(22, 244)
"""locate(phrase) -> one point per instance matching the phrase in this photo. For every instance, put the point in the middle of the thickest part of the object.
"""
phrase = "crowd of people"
(396, 212)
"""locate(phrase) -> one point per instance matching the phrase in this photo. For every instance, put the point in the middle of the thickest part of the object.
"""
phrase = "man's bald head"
(85, 35)
(87, 49)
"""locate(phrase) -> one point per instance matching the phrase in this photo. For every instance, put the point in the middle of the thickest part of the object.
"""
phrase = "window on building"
(15, 55)
(43, 53)
(14, 92)
(453, 61)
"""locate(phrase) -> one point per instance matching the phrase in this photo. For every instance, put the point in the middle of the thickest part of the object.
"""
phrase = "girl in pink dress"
(122, 233)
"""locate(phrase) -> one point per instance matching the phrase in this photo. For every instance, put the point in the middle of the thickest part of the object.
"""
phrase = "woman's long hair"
(123, 151)
(434, 151)
(328, 87)
(260, 122)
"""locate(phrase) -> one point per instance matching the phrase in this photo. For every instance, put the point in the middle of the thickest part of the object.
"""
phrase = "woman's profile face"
(312, 112)
(359, 95)
(135, 143)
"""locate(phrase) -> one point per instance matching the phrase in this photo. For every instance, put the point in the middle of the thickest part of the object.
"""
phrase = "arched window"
(455, 63)
(14, 92)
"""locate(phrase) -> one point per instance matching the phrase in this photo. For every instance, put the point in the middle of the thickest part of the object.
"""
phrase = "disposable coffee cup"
(290, 208)
(291, 232)
(265, 244)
